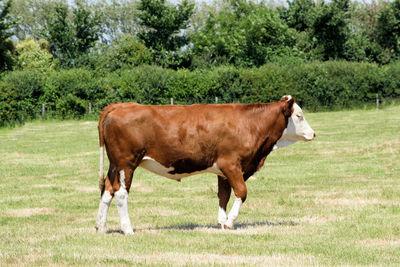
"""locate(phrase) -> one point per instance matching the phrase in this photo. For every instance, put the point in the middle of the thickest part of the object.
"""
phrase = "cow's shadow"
(196, 226)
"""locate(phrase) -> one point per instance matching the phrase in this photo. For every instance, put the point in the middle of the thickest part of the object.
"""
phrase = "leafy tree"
(86, 28)
(70, 39)
(242, 33)
(127, 51)
(299, 15)
(32, 16)
(361, 44)
(163, 29)
(388, 28)
(6, 45)
(330, 27)
(60, 34)
(118, 17)
(31, 54)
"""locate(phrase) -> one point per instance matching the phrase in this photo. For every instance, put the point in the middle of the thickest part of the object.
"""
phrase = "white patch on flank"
(154, 166)
(103, 210)
(122, 204)
(222, 217)
(234, 213)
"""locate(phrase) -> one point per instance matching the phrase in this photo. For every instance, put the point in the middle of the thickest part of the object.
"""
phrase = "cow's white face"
(297, 129)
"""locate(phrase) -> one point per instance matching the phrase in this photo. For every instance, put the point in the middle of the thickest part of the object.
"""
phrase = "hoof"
(224, 226)
(129, 233)
(99, 229)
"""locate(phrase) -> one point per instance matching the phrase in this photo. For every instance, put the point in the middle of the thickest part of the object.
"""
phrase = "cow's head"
(297, 128)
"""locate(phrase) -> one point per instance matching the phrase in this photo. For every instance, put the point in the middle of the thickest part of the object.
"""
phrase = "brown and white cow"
(229, 140)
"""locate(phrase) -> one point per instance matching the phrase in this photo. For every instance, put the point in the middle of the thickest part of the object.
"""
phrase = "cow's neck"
(267, 133)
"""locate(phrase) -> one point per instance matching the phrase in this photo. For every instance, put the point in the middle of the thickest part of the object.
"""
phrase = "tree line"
(244, 33)
(67, 54)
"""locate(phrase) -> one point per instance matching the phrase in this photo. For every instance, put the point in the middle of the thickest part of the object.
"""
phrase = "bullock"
(229, 140)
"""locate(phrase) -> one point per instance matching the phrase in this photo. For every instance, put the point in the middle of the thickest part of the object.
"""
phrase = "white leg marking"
(222, 217)
(234, 213)
(103, 210)
(122, 204)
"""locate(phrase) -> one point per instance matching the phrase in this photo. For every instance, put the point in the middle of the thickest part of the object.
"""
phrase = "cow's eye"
(300, 116)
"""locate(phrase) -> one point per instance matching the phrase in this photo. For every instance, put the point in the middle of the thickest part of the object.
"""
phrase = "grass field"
(333, 201)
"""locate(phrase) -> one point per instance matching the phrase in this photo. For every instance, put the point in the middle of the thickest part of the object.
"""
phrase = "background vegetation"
(67, 54)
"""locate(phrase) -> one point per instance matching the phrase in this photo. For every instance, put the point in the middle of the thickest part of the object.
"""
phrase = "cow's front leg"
(233, 172)
(122, 203)
(224, 193)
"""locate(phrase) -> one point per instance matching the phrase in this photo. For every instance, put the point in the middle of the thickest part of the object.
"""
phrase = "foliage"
(163, 29)
(243, 33)
(19, 95)
(299, 15)
(6, 45)
(117, 17)
(388, 28)
(127, 51)
(79, 83)
(236, 50)
(34, 55)
(331, 29)
(71, 39)
(317, 86)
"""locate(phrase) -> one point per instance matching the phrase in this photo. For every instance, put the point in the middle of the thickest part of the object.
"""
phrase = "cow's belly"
(157, 168)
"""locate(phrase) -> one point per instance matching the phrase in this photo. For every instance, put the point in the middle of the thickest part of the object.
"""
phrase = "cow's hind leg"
(224, 193)
(105, 202)
(125, 179)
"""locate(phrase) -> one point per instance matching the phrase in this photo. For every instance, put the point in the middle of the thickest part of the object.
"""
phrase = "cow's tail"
(100, 127)
(101, 143)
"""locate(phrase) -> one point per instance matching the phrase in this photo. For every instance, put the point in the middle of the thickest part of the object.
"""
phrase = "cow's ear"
(288, 102)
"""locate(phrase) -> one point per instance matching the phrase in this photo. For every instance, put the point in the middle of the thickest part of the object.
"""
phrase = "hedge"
(316, 86)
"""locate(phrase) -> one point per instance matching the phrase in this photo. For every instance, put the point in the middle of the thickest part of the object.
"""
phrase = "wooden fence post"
(43, 110)
(216, 100)
(377, 101)
(90, 108)
(172, 100)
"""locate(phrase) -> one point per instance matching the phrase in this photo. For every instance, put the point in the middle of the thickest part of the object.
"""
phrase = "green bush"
(80, 83)
(70, 106)
(316, 86)
(19, 92)
(144, 84)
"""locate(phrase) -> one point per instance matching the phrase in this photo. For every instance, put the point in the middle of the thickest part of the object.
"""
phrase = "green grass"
(333, 201)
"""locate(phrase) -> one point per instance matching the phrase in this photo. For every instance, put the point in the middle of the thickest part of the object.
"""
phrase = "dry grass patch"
(206, 259)
(354, 203)
(43, 185)
(376, 242)
(141, 188)
(30, 212)
(318, 220)
(87, 189)
(89, 153)
(158, 211)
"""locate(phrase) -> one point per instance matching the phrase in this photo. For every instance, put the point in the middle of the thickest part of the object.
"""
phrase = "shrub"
(316, 86)
(70, 106)
(19, 91)
(80, 83)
